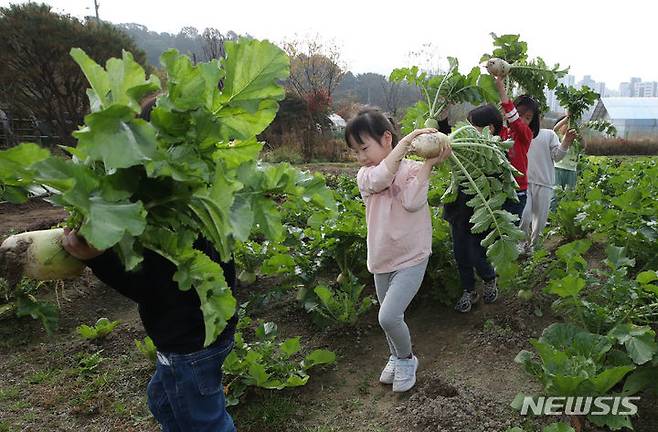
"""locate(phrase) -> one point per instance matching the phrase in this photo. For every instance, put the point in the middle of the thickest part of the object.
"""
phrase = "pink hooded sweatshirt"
(397, 216)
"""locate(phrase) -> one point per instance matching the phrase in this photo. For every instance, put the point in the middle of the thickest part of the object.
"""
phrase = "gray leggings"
(395, 291)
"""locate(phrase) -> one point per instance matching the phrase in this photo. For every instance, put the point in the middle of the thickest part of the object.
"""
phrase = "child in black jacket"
(186, 392)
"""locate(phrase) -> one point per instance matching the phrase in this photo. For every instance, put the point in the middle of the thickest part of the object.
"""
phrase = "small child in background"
(470, 255)
(394, 191)
(566, 169)
(545, 150)
(522, 117)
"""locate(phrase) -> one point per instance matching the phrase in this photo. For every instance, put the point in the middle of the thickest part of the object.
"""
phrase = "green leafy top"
(530, 75)
(576, 101)
(574, 362)
(191, 169)
(508, 47)
(441, 91)
(479, 166)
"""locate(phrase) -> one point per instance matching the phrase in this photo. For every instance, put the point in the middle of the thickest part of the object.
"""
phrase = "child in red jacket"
(522, 118)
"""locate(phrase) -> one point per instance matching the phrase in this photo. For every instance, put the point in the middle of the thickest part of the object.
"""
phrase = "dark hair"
(486, 115)
(525, 102)
(560, 119)
(369, 122)
(147, 105)
(444, 127)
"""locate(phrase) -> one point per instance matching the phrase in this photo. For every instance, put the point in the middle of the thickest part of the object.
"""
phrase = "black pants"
(469, 254)
(516, 208)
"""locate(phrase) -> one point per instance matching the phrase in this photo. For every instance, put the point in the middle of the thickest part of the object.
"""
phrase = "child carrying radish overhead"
(394, 191)
(545, 149)
(566, 169)
(522, 118)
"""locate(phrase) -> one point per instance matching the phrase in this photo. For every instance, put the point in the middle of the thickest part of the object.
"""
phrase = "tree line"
(40, 81)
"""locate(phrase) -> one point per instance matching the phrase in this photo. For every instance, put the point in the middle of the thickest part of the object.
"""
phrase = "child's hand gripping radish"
(78, 247)
(444, 154)
(499, 80)
(405, 146)
(569, 137)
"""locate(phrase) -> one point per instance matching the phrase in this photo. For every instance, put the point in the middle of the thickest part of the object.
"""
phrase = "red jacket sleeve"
(520, 131)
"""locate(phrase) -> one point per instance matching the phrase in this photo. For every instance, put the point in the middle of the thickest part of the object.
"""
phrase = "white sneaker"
(388, 374)
(405, 374)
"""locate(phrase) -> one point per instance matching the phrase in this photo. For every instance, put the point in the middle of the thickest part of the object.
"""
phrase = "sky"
(609, 41)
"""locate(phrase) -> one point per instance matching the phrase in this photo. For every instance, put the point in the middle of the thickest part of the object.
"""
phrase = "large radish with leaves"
(442, 91)
(191, 169)
(500, 68)
(39, 255)
(509, 59)
(478, 163)
(479, 166)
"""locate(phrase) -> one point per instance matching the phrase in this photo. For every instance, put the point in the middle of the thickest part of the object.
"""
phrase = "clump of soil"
(441, 405)
(11, 263)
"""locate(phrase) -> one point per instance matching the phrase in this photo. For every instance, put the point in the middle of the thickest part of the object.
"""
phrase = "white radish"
(498, 67)
(429, 145)
(39, 255)
(247, 277)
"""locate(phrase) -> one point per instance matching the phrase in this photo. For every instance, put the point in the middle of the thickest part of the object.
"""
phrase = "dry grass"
(298, 146)
(603, 146)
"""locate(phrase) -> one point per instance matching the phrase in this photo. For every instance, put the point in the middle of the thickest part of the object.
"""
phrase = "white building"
(633, 117)
(645, 89)
(551, 100)
(625, 89)
(633, 85)
(587, 81)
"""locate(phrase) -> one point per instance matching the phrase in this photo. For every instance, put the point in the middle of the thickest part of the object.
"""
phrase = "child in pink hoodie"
(394, 190)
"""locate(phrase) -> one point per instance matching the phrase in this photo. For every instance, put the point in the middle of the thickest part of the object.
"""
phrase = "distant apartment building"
(569, 80)
(636, 88)
(587, 81)
(610, 93)
(598, 87)
(646, 89)
(551, 100)
(633, 84)
(625, 89)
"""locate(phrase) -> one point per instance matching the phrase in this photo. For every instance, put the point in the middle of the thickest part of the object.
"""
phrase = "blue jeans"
(516, 208)
(470, 254)
(186, 391)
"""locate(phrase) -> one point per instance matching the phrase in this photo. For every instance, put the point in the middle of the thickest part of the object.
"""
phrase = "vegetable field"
(468, 376)
(576, 318)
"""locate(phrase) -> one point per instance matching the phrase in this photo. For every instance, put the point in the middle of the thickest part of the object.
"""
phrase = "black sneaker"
(490, 293)
(468, 299)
